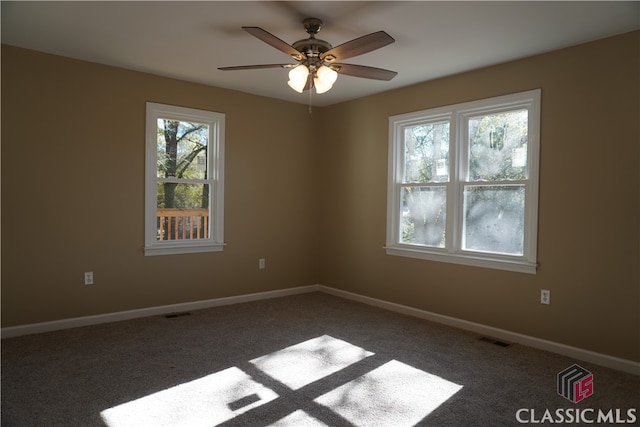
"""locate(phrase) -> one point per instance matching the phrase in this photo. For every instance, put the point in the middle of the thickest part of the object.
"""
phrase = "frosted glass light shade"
(320, 87)
(298, 78)
(325, 77)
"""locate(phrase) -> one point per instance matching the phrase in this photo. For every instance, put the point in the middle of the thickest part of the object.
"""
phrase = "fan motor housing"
(312, 47)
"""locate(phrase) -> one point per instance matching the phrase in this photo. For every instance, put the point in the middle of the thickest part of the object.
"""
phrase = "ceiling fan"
(317, 65)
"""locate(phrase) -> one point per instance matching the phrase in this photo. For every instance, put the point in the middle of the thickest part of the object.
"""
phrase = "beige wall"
(73, 189)
(73, 185)
(588, 246)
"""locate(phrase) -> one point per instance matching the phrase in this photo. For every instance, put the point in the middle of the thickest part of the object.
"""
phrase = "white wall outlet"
(262, 264)
(88, 278)
(545, 296)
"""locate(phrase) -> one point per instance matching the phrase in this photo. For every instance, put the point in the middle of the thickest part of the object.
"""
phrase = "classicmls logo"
(575, 383)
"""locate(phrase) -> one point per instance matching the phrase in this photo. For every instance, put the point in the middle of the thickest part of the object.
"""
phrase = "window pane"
(494, 219)
(426, 153)
(183, 196)
(498, 146)
(182, 211)
(423, 214)
(182, 149)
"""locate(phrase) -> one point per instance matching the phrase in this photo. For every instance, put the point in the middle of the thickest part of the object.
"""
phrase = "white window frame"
(457, 114)
(215, 162)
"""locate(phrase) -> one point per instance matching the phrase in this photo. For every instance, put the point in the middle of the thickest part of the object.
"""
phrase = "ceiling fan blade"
(364, 71)
(273, 41)
(358, 46)
(255, 67)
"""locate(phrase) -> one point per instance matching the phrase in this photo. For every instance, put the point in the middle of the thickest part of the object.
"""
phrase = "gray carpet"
(304, 360)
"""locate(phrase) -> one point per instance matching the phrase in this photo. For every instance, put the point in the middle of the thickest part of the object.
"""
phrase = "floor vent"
(172, 315)
(495, 342)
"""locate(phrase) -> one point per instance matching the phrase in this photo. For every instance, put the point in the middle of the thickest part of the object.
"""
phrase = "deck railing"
(179, 224)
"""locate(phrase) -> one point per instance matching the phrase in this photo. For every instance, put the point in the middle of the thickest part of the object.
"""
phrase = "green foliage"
(497, 146)
(497, 152)
(426, 151)
(426, 160)
(424, 215)
(179, 144)
(181, 149)
(185, 196)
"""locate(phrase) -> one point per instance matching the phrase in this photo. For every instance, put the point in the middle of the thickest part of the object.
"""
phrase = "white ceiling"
(190, 40)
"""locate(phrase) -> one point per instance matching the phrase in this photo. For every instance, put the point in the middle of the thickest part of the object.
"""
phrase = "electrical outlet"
(545, 296)
(262, 264)
(88, 278)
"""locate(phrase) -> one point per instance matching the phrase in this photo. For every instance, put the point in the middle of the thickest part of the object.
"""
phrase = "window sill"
(177, 248)
(475, 260)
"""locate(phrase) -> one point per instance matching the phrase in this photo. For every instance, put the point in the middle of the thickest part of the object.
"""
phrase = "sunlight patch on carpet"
(298, 418)
(204, 402)
(309, 361)
(395, 394)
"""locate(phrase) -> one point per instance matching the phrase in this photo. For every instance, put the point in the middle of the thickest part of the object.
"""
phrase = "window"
(463, 183)
(184, 180)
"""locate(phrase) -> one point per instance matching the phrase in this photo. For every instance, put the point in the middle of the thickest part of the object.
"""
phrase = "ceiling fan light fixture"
(324, 79)
(327, 75)
(316, 57)
(298, 78)
(320, 88)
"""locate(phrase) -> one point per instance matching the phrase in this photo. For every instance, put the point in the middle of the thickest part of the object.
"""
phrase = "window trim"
(453, 252)
(215, 164)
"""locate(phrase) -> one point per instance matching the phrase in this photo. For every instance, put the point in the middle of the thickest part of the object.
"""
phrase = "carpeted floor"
(303, 360)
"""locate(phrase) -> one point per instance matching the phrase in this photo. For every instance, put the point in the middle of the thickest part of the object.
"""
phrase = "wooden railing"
(178, 224)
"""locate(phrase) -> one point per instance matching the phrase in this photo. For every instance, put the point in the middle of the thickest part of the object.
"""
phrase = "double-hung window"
(184, 180)
(463, 183)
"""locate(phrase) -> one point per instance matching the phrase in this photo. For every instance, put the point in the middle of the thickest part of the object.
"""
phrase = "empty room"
(358, 213)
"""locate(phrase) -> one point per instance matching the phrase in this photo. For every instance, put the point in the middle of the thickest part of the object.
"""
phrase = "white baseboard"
(36, 328)
(624, 365)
